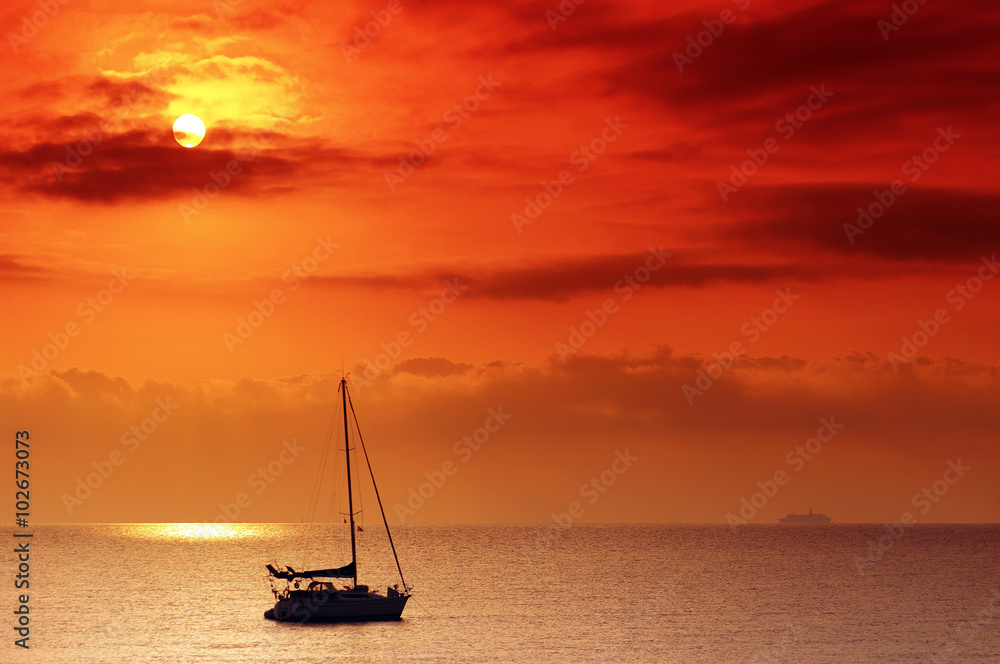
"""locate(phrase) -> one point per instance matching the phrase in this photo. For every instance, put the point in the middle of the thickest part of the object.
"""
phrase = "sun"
(189, 130)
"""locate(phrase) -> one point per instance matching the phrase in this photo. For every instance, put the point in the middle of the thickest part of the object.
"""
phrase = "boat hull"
(335, 607)
(798, 520)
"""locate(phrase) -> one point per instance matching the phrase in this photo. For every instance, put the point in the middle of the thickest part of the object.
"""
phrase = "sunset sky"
(561, 212)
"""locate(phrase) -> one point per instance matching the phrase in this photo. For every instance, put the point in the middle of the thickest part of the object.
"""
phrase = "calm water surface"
(183, 593)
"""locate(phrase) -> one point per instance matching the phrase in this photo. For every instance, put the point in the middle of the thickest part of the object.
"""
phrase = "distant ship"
(812, 517)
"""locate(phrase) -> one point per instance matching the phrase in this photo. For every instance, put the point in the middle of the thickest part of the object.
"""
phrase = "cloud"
(562, 279)
(631, 391)
(232, 427)
(148, 164)
(18, 268)
(770, 52)
(431, 366)
(922, 224)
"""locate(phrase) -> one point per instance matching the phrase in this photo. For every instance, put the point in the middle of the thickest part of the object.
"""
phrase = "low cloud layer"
(563, 417)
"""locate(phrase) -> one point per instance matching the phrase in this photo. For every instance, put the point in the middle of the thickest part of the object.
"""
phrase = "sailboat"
(313, 595)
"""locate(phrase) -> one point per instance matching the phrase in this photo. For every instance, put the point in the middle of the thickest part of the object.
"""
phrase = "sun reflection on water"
(200, 531)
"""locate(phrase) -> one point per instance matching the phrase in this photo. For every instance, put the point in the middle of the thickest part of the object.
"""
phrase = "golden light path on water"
(202, 531)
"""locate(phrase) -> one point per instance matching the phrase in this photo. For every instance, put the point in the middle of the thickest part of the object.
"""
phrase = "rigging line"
(357, 473)
(422, 606)
(337, 494)
(334, 513)
(318, 483)
(331, 504)
(375, 486)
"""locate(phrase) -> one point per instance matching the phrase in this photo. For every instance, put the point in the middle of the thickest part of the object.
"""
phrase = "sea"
(179, 593)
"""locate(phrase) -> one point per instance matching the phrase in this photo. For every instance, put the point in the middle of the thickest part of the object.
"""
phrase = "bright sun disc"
(189, 130)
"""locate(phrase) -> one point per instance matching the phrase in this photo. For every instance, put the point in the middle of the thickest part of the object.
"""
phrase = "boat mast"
(350, 498)
(377, 497)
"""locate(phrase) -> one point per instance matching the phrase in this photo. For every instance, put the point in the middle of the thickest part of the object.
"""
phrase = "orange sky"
(351, 193)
